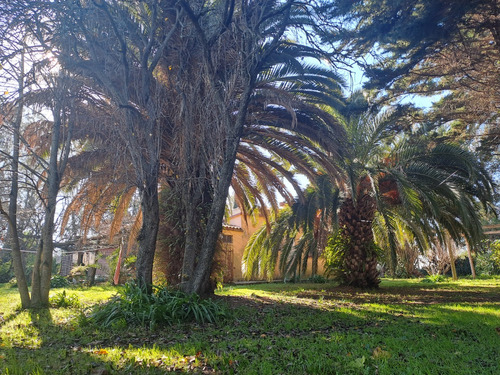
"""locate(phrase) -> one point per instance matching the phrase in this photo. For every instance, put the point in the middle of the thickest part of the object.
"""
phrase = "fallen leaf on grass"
(379, 353)
(358, 362)
(498, 330)
(101, 352)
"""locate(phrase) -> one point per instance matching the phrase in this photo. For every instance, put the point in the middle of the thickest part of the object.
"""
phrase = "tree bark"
(360, 261)
(148, 234)
(42, 270)
(452, 257)
(471, 260)
(11, 217)
(200, 282)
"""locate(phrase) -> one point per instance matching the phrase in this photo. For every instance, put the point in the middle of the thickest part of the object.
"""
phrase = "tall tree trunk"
(200, 282)
(314, 264)
(42, 270)
(356, 226)
(17, 260)
(11, 217)
(148, 234)
(189, 257)
(471, 260)
(449, 245)
(47, 250)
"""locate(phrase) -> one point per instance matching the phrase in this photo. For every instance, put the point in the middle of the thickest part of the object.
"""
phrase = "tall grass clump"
(64, 300)
(135, 307)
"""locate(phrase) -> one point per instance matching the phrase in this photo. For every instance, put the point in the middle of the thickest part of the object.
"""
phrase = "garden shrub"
(135, 307)
(6, 272)
(434, 279)
(64, 300)
(317, 279)
(495, 256)
(334, 255)
(58, 281)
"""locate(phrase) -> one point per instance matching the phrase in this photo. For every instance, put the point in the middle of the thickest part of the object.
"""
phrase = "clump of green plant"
(12, 283)
(488, 262)
(495, 255)
(134, 306)
(317, 279)
(58, 281)
(5, 271)
(432, 279)
(334, 255)
(64, 300)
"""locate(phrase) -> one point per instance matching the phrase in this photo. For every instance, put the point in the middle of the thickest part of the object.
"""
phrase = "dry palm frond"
(134, 232)
(120, 211)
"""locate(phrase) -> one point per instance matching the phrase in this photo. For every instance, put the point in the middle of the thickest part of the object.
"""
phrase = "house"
(235, 235)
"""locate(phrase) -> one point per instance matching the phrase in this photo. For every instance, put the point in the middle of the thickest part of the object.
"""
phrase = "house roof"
(232, 227)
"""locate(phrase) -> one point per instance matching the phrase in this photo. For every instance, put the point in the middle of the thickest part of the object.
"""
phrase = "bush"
(317, 279)
(495, 255)
(58, 281)
(135, 307)
(485, 265)
(334, 255)
(434, 279)
(5, 271)
(64, 300)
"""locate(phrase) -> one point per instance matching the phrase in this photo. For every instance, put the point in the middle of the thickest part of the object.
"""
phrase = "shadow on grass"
(419, 293)
(40, 346)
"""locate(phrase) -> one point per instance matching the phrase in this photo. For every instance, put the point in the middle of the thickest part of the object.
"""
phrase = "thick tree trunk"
(360, 259)
(47, 252)
(42, 270)
(200, 282)
(148, 234)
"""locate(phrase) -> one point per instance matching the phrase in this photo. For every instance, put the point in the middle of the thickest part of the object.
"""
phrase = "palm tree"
(396, 177)
(285, 127)
(437, 187)
(298, 232)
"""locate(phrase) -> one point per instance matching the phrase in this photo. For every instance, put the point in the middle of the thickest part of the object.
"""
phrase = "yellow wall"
(241, 232)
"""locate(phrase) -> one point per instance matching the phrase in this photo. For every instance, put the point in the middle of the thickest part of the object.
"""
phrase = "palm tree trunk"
(449, 245)
(360, 261)
(471, 260)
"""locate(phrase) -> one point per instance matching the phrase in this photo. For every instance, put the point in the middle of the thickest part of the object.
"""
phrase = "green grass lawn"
(404, 327)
